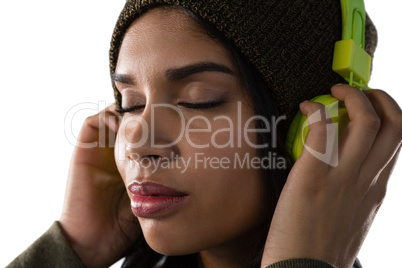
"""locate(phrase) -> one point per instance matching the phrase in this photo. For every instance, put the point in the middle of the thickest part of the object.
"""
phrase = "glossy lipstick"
(151, 199)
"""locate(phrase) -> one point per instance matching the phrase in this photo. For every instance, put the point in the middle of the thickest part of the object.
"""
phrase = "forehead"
(174, 19)
(167, 35)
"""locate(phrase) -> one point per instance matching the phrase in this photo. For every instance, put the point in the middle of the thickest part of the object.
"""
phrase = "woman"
(172, 71)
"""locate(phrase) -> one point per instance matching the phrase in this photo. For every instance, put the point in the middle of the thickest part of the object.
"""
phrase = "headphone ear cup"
(299, 128)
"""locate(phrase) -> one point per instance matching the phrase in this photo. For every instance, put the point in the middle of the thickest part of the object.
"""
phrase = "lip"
(151, 200)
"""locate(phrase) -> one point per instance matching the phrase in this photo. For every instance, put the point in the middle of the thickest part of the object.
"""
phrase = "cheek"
(119, 155)
(121, 159)
(221, 132)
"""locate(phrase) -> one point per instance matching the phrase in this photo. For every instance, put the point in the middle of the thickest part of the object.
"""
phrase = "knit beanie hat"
(290, 42)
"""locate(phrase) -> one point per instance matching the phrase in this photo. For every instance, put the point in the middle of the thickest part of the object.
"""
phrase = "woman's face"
(186, 129)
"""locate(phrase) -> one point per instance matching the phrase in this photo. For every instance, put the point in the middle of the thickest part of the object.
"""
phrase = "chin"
(172, 248)
(173, 241)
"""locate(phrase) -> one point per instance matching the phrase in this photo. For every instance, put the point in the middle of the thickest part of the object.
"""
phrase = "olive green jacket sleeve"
(50, 250)
(300, 263)
(53, 250)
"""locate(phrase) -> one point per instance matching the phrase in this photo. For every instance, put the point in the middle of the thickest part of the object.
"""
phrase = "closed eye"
(195, 106)
(201, 105)
(137, 108)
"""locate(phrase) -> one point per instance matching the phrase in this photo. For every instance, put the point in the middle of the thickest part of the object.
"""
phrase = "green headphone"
(350, 61)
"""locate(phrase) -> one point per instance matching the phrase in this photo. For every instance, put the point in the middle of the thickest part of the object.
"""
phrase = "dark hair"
(258, 93)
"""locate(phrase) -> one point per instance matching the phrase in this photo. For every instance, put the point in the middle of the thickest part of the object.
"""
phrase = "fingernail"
(338, 85)
(304, 103)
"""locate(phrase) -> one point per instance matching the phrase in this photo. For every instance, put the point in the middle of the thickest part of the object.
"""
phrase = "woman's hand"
(96, 215)
(325, 212)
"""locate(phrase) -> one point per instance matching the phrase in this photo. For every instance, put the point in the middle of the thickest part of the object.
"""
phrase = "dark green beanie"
(290, 42)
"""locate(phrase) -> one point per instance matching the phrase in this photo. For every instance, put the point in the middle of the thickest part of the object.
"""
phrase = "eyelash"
(201, 105)
(194, 106)
(122, 111)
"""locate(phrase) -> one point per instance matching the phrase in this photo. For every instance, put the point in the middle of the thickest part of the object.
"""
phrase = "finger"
(99, 129)
(105, 118)
(317, 152)
(389, 137)
(362, 128)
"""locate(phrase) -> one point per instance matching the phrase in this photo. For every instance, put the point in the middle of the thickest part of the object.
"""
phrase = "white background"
(54, 55)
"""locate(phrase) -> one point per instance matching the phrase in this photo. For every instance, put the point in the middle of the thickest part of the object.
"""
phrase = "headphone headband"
(351, 61)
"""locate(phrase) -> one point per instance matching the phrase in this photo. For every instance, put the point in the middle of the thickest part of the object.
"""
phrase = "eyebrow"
(123, 78)
(186, 71)
(180, 73)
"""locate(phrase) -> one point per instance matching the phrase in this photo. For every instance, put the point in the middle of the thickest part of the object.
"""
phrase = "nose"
(153, 134)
